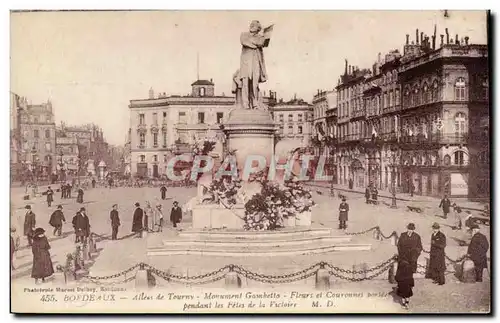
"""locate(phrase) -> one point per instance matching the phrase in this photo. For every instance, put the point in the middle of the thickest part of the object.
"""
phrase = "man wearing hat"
(175, 214)
(343, 214)
(115, 222)
(410, 246)
(445, 205)
(50, 196)
(56, 220)
(437, 264)
(29, 224)
(81, 224)
(477, 250)
(137, 225)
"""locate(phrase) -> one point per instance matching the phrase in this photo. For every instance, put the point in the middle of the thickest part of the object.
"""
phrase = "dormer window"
(202, 91)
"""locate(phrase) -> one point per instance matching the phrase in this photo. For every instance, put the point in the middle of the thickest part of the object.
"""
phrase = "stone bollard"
(79, 264)
(322, 278)
(468, 271)
(392, 272)
(60, 277)
(359, 271)
(232, 279)
(394, 238)
(144, 234)
(141, 278)
(85, 252)
(92, 245)
(376, 234)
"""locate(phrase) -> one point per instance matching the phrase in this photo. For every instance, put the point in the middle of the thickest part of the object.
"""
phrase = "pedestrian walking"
(79, 197)
(374, 194)
(343, 214)
(175, 214)
(410, 246)
(42, 264)
(149, 221)
(437, 264)
(412, 188)
(367, 195)
(404, 278)
(457, 210)
(93, 182)
(137, 220)
(351, 183)
(445, 205)
(50, 196)
(81, 224)
(56, 220)
(29, 224)
(477, 250)
(69, 188)
(63, 191)
(115, 222)
(159, 218)
(163, 191)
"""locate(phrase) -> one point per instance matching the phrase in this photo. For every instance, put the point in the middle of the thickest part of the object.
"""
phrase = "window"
(397, 99)
(485, 89)
(48, 118)
(164, 115)
(155, 139)
(47, 133)
(435, 89)
(290, 129)
(460, 89)
(427, 93)
(201, 117)
(290, 118)
(155, 118)
(142, 158)
(281, 119)
(182, 117)
(300, 130)
(142, 139)
(406, 98)
(35, 120)
(416, 95)
(220, 117)
(142, 119)
(155, 158)
(281, 129)
(164, 133)
(299, 116)
(70, 150)
(202, 91)
(460, 124)
(391, 98)
(48, 147)
(35, 133)
(165, 158)
(459, 158)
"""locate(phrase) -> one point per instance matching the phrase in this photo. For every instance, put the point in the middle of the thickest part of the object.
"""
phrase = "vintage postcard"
(250, 162)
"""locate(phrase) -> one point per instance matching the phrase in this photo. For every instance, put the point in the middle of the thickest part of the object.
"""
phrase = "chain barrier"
(122, 273)
(361, 232)
(394, 233)
(287, 278)
(348, 271)
(168, 275)
(354, 279)
(455, 261)
(102, 237)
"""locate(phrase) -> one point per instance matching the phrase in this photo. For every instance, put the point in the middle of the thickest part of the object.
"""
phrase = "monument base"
(214, 216)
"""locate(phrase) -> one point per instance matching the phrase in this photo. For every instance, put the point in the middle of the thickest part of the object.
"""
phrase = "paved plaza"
(116, 256)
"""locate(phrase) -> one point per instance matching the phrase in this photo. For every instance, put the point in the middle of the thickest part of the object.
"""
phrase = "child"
(404, 278)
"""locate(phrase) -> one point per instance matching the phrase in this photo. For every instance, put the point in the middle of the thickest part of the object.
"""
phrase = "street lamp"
(61, 165)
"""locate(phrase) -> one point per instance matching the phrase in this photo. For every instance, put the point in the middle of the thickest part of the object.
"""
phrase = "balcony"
(388, 137)
(142, 128)
(360, 113)
(436, 138)
(154, 128)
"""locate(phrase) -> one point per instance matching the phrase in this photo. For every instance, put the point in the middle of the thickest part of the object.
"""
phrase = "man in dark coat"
(367, 195)
(477, 250)
(56, 220)
(137, 225)
(410, 246)
(343, 214)
(93, 182)
(69, 187)
(50, 196)
(437, 264)
(29, 224)
(79, 198)
(63, 191)
(445, 204)
(42, 264)
(374, 193)
(115, 222)
(81, 224)
(163, 191)
(175, 214)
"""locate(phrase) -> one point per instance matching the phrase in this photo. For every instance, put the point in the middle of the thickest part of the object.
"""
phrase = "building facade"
(324, 129)
(293, 120)
(68, 156)
(38, 140)
(417, 121)
(15, 135)
(165, 126)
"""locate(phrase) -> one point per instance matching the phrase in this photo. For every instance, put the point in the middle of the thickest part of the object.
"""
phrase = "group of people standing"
(150, 219)
(410, 248)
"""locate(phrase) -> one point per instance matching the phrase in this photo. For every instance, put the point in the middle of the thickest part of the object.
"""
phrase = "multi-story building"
(38, 143)
(445, 107)
(68, 155)
(15, 135)
(423, 120)
(324, 130)
(164, 126)
(293, 120)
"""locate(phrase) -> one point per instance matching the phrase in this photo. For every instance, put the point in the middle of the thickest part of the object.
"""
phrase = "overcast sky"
(90, 64)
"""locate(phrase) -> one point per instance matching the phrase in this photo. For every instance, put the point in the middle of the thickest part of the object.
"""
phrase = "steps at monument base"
(255, 251)
(286, 234)
(228, 242)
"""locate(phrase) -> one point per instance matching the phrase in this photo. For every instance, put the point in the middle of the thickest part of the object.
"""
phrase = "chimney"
(447, 36)
(442, 40)
(349, 69)
(421, 38)
(379, 57)
(345, 72)
(407, 39)
(456, 40)
(416, 37)
(434, 42)
(211, 81)
(466, 40)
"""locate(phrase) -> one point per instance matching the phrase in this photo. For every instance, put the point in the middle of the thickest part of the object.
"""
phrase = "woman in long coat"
(79, 198)
(137, 219)
(404, 278)
(176, 214)
(42, 264)
(437, 264)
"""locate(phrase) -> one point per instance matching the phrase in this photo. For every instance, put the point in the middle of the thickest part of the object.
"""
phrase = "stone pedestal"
(214, 216)
(250, 132)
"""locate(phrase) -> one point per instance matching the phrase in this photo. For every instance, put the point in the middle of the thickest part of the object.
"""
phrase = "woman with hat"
(42, 264)
(410, 246)
(175, 214)
(437, 264)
